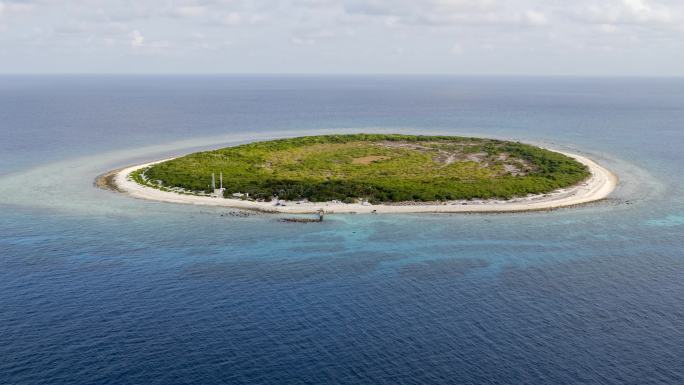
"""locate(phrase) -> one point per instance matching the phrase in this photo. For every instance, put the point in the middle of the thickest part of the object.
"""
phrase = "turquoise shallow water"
(97, 287)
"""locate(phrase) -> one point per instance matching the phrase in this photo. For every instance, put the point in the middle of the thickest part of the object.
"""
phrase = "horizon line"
(333, 74)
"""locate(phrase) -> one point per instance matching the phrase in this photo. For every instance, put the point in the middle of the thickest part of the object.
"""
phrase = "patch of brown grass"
(366, 160)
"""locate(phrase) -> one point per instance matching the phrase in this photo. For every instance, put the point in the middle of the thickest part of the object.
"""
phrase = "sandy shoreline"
(598, 186)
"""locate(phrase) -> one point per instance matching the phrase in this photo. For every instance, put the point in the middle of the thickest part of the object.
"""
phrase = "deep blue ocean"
(100, 288)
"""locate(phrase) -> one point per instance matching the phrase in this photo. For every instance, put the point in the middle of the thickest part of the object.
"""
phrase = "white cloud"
(536, 18)
(302, 40)
(629, 12)
(137, 39)
(447, 12)
(189, 11)
(232, 18)
(456, 49)
(7, 7)
(608, 28)
(367, 30)
(308, 36)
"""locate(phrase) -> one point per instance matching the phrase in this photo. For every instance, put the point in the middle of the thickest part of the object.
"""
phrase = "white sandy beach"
(599, 186)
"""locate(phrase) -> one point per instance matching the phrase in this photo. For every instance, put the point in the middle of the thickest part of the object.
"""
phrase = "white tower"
(218, 192)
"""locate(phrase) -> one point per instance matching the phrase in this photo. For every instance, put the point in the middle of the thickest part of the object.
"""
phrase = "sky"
(485, 37)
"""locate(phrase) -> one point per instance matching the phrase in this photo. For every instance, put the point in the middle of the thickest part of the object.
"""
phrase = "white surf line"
(598, 186)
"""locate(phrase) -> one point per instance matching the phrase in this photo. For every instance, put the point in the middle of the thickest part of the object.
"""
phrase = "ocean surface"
(100, 288)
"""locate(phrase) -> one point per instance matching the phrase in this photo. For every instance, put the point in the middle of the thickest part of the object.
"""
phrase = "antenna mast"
(213, 181)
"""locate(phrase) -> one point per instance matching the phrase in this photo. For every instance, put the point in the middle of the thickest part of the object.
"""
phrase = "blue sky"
(545, 37)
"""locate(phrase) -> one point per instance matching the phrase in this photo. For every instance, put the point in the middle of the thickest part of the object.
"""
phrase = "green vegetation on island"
(375, 167)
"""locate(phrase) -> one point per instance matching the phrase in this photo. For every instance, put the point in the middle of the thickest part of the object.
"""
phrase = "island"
(372, 173)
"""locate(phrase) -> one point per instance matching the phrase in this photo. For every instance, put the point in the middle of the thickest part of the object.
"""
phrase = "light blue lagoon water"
(96, 287)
